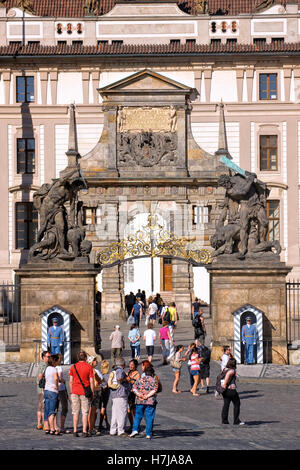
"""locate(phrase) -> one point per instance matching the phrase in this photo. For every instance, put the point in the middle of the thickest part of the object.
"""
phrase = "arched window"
(224, 26)
(213, 27)
(234, 27)
(69, 28)
(59, 28)
(79, 28)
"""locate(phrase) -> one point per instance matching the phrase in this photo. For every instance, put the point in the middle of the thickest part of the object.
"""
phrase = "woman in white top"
(149, 338)
(51, 395)
(62, 396)
(152, 309)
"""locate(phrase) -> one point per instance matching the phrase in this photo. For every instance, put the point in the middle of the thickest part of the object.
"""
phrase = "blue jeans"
(137, 349)
(50, 404)
(249, 353)
(149, 411)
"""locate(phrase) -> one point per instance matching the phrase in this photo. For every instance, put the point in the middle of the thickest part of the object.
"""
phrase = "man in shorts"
(149, 338)
(78, 398)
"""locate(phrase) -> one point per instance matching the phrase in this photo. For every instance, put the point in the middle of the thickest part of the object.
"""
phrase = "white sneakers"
(133, 434)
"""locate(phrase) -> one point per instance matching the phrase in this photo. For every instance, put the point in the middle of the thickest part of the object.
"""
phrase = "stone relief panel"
(147, 136)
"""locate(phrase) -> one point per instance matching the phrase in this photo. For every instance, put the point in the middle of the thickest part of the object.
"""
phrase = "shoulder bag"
(87, 390)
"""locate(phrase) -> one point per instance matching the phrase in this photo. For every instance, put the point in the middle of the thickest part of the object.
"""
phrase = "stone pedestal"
(71, 287)
(182, 278)
(260, 285)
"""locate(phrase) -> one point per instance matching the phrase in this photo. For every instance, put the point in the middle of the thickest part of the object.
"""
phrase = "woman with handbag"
(176, 363)
(51, 396)
(96, 402)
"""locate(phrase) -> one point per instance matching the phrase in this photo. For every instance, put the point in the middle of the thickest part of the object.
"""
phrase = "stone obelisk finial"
(223, 146)
(72, 152)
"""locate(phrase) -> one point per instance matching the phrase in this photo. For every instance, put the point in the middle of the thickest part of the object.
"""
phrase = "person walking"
(165, 341)
(81, 375)
(195, 307)
(173, 314)
(145, 390)
(105, 393)
(117, 344)
(132, 376)
(96, 402)
(134, 337)
(51, 395)
(129, 302)
(152, 310)
(149, 338)
(177, 363)
(62, 396)
(137, 312)
(119, 394)
(40, 390)
(199, 327)
(230, 394)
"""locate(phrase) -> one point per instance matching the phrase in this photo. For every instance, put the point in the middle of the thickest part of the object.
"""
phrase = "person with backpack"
(120, 389)
(229, 393)
(204, 353)
(137, 312)
(165, 341)
(199, 327)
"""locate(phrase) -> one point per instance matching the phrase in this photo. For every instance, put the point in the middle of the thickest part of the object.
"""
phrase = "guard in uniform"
(55, 337)
(249, 337)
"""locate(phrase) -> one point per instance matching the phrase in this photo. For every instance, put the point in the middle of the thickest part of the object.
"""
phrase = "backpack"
(220, 377)
(112, 381)
(196, 321)
(167, 316)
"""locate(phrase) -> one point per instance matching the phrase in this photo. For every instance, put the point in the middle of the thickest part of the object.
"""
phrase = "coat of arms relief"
(147, 136)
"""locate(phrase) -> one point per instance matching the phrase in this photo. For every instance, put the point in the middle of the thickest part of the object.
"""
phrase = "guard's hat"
(55, 320)
(248, 318)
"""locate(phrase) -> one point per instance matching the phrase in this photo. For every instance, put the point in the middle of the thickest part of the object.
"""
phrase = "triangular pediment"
(145, 80)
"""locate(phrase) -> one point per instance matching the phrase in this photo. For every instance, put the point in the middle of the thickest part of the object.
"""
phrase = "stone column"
(53, 79)
(6, 76)
(287, 83)
(240, 82)
(95, 80)
(112, 301)
(183, 283)
(44, 86)
(198, 78)
(85, 86)
(249, 78)
(207, 81)
(260, 285)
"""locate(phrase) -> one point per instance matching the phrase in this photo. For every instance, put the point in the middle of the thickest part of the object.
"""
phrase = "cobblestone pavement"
(183, 422)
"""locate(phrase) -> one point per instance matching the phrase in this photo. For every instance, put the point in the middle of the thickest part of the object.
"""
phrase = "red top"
(86, 372)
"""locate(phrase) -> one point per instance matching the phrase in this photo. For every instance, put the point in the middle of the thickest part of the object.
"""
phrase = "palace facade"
(53, 54)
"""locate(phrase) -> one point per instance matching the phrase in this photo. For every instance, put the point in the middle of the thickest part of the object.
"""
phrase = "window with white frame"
(129, 271)
(92, 215)
(201, 215)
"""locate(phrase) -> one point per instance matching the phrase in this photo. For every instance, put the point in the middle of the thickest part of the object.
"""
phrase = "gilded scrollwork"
(153, 241)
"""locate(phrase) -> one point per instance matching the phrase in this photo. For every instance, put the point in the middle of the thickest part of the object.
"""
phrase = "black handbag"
(42, 381)
(87, 390)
